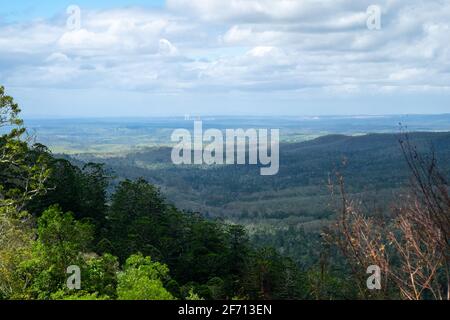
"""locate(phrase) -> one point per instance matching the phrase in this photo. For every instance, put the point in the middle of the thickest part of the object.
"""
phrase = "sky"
(121, 58)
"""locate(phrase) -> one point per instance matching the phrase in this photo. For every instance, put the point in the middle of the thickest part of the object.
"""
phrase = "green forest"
(130, 243)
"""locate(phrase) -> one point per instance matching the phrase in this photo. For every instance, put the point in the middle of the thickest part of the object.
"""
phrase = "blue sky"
(23, 10)
(263, 57)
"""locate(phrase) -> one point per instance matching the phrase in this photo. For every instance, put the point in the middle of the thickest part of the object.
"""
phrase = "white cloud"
(264, 52)
(167, 48)
(57, 57)
(261, 10)
(243, 45)
(84, 39)
(237, 35)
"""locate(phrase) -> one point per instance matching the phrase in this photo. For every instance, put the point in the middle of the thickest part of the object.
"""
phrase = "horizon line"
(194, 116)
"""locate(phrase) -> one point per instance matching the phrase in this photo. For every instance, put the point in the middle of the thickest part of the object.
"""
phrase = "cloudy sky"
(225, 57)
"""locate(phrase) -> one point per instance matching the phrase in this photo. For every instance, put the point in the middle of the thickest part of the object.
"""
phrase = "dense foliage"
(289, 210)
(131, 245)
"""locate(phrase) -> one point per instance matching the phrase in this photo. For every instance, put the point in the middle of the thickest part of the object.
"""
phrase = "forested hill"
(57, 218)
(372, 164)
(131, 243)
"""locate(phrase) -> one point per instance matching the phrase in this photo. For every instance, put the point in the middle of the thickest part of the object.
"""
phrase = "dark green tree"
(135, 219)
